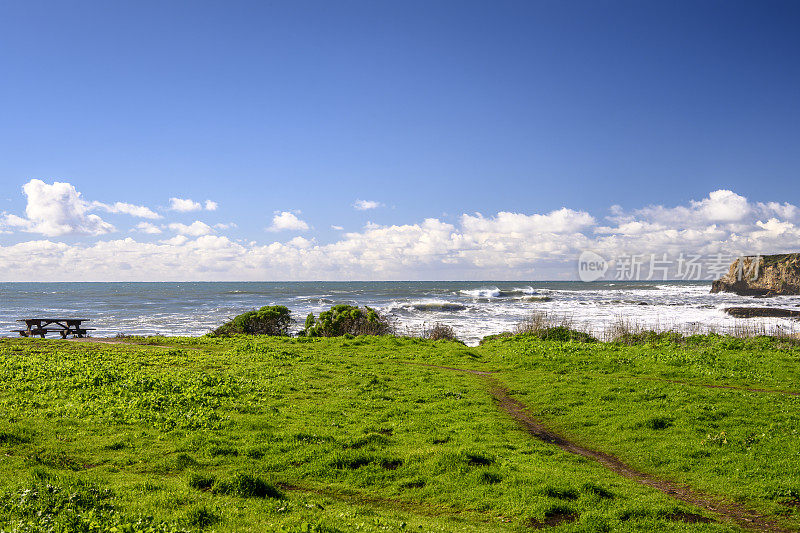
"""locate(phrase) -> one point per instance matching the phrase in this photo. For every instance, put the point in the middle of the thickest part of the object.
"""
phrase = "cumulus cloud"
(195, 229)
(723, 206)
(184, 205)
(363, 205)
(562, 221)
(723, 222)
(128, 209)
(148, 227)
(505, 245)
(56, 209)
(287, 221)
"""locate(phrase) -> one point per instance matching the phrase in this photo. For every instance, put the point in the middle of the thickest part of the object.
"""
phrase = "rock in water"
(775, 275)
(752, 312)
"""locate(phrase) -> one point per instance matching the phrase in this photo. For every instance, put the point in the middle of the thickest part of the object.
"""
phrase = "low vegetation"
(347, 320)
(439, 332)
(367, 433)
(269, 320)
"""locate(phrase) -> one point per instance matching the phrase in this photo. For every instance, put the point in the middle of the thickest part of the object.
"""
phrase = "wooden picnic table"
(62, 326)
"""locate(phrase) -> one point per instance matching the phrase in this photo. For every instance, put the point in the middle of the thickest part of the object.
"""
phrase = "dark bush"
(439, 332)
(346, 319)
(269, 320)
(564, 334)
(551, 328)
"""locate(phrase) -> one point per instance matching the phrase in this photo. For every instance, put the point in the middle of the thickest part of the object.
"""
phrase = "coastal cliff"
(776, 275)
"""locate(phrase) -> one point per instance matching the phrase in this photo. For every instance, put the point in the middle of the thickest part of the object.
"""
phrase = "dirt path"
(742, 516)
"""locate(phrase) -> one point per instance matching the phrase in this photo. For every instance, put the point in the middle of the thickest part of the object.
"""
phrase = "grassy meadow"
(357, 434)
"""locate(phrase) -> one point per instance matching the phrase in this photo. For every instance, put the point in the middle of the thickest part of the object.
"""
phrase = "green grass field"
(355, 434)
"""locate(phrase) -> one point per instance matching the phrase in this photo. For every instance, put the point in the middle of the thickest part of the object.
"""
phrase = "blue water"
(473, 309)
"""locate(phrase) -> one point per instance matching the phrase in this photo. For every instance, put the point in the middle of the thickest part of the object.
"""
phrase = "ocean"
(473, 309)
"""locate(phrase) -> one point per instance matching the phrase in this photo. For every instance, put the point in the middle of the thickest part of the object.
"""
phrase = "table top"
(53, 320)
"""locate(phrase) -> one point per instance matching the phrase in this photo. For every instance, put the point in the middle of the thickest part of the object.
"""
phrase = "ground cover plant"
(257, 433)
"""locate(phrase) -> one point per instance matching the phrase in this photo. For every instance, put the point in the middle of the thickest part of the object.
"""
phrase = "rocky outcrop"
(775, 275)
(752, 312)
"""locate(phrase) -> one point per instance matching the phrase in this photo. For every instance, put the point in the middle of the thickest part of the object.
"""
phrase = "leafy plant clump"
(347, 320)
(269, 320)
(551, 328)
(440, 332)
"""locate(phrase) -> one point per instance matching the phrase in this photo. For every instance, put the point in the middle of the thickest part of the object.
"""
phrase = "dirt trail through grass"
(742, 516)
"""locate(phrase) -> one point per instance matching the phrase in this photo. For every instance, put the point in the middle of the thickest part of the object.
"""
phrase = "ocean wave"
(536, 299)
(493, 292)
(496, 292)
(437, 306)
(409, 308)
(254, 293)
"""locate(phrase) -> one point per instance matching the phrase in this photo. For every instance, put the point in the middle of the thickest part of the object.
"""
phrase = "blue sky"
(433, 110)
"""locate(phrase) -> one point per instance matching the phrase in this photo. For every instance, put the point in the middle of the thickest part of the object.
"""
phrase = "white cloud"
(784, 210)
(723, 206)
(177, 240)
(195, 229)
(299, 242)
(128, 209)
(148, 227)
(502, 246)
(363, 205)
(184, 205)
(56, 209)
(287, 220)
(561, 221)
(229, 225)
(337, 228)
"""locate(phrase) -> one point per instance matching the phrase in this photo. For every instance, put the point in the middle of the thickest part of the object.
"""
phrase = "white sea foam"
(493, 292)
(472, 309)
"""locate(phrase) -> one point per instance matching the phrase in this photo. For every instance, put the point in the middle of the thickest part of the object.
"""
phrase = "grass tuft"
(247, 486)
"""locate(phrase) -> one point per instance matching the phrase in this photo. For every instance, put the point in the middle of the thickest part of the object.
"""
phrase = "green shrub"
(269, 320)
(564, 334)
(440, 332)
(346, 319)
